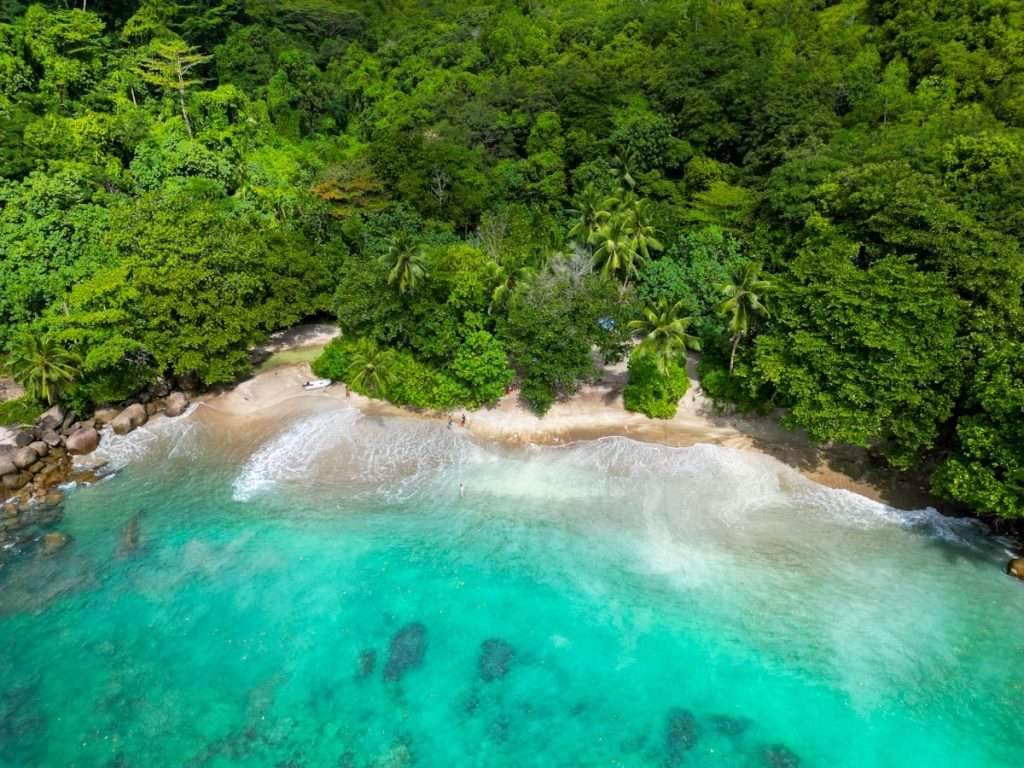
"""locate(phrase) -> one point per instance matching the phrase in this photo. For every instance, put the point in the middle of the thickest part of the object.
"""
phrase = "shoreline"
(596, 411)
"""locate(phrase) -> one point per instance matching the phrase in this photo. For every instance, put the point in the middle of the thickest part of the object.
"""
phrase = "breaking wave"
(171, 438)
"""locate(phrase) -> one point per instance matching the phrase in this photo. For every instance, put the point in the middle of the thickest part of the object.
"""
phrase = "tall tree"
(367, 370)
(665, 334)
(743, 302)
(41, 365)
(590, 213)
(169, 66)
(616, 252)
(405, 263)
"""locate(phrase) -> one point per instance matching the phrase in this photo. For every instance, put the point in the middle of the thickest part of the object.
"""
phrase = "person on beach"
(463, 420)
(450, 422)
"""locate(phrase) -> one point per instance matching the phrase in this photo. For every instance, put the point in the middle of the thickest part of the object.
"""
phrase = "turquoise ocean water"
(314, 591)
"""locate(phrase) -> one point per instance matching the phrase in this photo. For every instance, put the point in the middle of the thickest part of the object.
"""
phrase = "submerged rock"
(730, 726)
(130, 536)
(54, 542)
(396, 757)
(1016, 567)
(680, 733)
(496, 657)
(780, 756)
(367, 663)
(406, 651)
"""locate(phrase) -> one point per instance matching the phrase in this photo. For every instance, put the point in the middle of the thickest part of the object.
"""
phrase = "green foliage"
(481, 365)
(334, 361)
(743, 303)
(369, 371)
(665, 334)
(41, 365)
(19, 411)
(194, 287)
(868, 357)
(690, 273)
(653, 389)
(554, 320)
(987, 472)
(51, 236)
(178, 180)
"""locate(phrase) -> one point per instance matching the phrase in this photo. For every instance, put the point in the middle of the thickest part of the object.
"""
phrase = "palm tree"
(367, 371)
(743, 302)
(616, 252)
(638, 218)
(511, 278)
(41, 365)
(666, 334)
(624, 166)
(590, 212)
(405, 261)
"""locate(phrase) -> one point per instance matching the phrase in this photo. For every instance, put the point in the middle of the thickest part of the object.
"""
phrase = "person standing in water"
(462, 490)
(450, 422)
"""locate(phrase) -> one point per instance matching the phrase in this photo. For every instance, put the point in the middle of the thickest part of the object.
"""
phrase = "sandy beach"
(595, 411)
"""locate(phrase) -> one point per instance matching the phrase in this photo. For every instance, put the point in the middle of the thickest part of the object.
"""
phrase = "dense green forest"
(826, 197)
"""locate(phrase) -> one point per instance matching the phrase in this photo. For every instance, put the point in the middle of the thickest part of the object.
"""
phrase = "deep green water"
(654, 607)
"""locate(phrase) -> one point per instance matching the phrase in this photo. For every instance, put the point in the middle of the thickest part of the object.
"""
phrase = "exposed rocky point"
(131, 418)
(82, 442)
(176, 404)
(25, 457)
(52, 418)
(1016, 567)
(103, 416)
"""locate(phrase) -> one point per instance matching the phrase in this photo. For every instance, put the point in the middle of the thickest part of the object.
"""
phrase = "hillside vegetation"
(825, 197)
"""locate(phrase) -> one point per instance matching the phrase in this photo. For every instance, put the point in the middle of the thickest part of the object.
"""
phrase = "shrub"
(20, 410)
(651, 392)
(420, 385)
(334, 361)
(481, 364)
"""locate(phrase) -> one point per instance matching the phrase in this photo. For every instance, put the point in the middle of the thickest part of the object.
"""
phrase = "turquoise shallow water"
(315, 592)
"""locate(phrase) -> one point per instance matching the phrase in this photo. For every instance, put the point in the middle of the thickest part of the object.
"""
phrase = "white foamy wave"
(289, 455)
(173, 438)
(368, 457)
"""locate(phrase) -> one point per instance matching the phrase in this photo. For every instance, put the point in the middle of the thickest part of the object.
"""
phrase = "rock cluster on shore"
(41, 458)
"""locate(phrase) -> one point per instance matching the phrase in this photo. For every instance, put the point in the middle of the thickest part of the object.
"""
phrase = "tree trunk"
(181, 100)
(732, 357)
